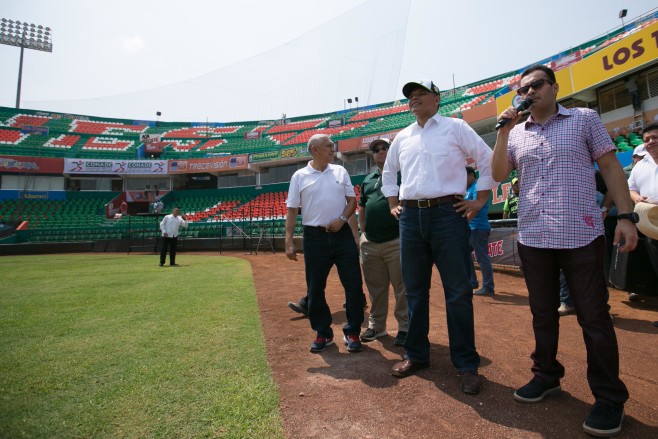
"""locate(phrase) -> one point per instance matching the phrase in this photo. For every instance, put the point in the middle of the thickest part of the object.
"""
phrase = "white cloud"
(132, 44)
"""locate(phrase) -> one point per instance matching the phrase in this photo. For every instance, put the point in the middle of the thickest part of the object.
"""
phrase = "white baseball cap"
(427, 84)
(640, 151)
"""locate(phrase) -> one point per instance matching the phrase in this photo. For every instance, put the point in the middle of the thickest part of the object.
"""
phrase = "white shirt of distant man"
(170, 226)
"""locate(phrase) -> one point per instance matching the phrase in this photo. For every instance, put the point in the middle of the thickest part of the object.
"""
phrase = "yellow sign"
(626, 54)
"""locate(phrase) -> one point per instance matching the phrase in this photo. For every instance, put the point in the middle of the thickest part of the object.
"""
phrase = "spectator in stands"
(433, 215)
(326, 195)
(638, 154)
(560, 228)
(380, 252)
(479, 239)
(643, 186)
(631, 85)
(511, 207)
(158, 206)
(170, 225)
(123, 208)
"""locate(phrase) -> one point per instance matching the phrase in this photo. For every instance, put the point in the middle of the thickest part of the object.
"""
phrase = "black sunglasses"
(376, 149)
(534, 85)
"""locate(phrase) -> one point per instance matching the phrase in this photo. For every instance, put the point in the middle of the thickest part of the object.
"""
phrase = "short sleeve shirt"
(555, 164)
(381, 226)
(481, 220)
(320, 194)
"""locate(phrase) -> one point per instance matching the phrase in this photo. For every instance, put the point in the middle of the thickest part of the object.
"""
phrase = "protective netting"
(357, 54)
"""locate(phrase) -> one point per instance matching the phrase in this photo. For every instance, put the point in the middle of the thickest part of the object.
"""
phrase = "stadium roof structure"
(48, 134)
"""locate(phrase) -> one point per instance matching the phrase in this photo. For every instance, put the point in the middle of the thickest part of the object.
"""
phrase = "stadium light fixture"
(26, 36)
(622, 14)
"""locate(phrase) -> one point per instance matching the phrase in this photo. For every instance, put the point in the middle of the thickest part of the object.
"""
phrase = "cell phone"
(618, 267)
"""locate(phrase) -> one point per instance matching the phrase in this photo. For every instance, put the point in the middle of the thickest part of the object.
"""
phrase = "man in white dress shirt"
(431, 156)
(169, 226)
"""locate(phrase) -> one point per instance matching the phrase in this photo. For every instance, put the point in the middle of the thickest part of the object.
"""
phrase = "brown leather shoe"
(407, 367)
(470, 381)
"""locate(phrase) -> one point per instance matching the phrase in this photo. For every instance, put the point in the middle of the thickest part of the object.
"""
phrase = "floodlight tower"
(26, 36)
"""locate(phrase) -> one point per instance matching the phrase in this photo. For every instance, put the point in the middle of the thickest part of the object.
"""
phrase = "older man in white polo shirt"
(326, 195)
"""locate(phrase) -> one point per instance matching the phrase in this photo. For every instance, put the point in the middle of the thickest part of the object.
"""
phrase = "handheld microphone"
(523, 105)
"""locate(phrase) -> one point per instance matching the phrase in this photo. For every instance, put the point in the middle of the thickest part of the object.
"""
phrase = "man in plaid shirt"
(559, 228)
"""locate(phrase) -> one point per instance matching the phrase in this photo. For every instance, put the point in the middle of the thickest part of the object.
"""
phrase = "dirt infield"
(340, 395)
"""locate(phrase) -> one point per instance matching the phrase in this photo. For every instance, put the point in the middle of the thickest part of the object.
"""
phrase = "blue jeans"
(565, 297)
(438, 236)
(321, 251)
(479, 242)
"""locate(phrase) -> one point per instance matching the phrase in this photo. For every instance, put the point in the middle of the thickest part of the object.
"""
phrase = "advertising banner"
(209, 165)
(263, 156)
(289, 153)
(132, 167)
(335, 123)
(502, 247)
(12, 194)
(153, 143)
(365, 141)
(30, 129)
(31, 165)
(358, 144)
(113, 207)
(627, 54)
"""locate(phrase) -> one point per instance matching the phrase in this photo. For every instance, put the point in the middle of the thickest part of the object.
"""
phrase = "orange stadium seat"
(211, 144)
(107, 143)
(296, 126)
(379, 112)
(62, 141)
(105, 128)
(11, 137)
(26, 119)
(200, 132)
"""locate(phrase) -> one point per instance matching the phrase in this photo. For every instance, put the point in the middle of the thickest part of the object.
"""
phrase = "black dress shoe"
(407, 367)
(470, 382)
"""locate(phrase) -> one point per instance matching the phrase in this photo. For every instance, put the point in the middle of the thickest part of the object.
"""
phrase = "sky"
(223, 61)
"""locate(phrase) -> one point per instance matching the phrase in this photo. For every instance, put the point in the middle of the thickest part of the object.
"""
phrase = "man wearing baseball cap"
(380, 252)
(429, 203)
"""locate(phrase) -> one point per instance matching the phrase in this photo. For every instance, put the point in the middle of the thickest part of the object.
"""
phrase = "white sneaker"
(565, 310)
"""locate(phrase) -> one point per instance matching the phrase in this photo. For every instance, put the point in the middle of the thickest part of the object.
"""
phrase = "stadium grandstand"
(64, 176)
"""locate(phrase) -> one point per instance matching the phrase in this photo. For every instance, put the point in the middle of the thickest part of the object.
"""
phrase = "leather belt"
(429, 202)
(318, 228)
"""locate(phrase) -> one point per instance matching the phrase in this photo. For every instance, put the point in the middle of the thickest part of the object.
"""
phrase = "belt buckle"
(424, 203)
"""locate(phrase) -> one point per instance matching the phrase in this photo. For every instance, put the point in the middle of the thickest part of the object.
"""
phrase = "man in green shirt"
(380, 252)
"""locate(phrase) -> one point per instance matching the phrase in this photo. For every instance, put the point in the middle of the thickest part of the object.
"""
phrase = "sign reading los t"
(624, 53)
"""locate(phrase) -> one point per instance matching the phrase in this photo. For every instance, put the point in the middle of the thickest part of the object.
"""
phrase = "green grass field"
(115, 346)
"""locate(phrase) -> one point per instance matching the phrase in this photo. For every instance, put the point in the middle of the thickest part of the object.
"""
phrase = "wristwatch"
(344, 218)
(632, 217)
